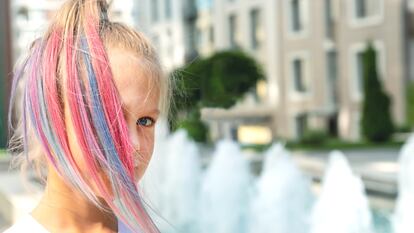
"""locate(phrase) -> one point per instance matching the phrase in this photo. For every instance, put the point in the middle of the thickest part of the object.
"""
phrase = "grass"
(330, 144)
(333, 144)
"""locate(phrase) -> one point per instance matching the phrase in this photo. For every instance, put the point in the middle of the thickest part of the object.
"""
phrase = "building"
(21, 22)
(311, 53)
(30, 19)
(170, 24)
(5, 67)
(252, 26)
(320, 65)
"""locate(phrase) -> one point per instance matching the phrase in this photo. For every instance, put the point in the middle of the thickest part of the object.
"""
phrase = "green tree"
(410, 104)
(376, 122)
(230, 75)
(216, 81)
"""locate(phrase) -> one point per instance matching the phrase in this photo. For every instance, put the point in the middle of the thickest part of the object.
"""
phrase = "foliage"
(403, 129)
(228, 76)
(338, 144)
(216, 81)
(376, 117)
(195, 128)
(410, 104)
(314, 137)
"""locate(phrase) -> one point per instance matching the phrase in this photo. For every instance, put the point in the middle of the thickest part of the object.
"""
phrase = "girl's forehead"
(131, 69)
(135, 82)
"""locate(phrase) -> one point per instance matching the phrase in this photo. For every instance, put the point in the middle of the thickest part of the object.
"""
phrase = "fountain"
(226, 191)
(402, 219)
(176, 176)
(342, 206)
(225, 199)
(153, 182)
(284, 199)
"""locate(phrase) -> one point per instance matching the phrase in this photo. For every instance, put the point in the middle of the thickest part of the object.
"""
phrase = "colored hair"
(70, 62)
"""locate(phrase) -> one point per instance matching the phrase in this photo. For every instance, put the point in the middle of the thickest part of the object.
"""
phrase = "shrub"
(217, 81)
(376, 117)
(410, 104)
(196, 129)
(314, 137)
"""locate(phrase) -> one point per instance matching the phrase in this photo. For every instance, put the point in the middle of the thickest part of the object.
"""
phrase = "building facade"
(30, 19)
(250, 26)
(322, 71)
(170, 24)
(312, 54)
(5, 67)
(310, 51)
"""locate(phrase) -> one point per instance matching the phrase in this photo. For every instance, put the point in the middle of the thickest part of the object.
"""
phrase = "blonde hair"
(114, 35)
(54, 53)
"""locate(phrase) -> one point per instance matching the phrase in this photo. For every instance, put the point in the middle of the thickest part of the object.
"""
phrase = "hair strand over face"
(68, 71)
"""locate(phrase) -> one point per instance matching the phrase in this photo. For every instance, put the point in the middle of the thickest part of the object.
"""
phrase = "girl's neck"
(62, 209)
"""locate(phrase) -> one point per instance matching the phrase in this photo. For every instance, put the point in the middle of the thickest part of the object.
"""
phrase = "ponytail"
(68, 69)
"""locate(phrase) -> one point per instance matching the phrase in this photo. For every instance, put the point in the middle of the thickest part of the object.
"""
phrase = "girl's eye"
(145, 121)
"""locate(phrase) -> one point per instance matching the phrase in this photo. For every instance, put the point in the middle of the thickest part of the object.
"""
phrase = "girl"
(92, 91)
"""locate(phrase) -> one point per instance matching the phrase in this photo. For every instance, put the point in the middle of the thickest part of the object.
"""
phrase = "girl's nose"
(134, 138)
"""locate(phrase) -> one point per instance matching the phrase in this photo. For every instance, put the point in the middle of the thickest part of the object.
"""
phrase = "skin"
(140, 98)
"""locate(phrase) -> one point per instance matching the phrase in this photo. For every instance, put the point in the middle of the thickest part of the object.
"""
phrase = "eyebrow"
(155, 111)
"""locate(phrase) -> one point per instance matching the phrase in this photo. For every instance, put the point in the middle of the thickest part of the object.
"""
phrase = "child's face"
(140, 97)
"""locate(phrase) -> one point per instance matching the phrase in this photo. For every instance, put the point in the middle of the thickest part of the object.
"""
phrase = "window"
(301, 125)
(329, 27)
(255, 28)
(360, 8)
(154, 10)
(298, 69)
(332, 72)
(168, 9)
(23, 12)
(296, 19)
(261, 91)
(233, 31)
(298, 75)
(366, 8)
(360, 71)
(211, 35)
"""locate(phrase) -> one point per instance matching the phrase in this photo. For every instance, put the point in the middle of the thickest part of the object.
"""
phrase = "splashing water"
(343, 205)
(154, 179)
(225, 199)
(178, 174)
(226, 191)
(284, 199)
(402, 220)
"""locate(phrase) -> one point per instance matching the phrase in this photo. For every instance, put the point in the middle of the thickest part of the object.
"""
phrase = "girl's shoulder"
(26, 224)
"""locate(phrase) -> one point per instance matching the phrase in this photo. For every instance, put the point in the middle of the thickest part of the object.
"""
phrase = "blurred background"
(275, 82)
